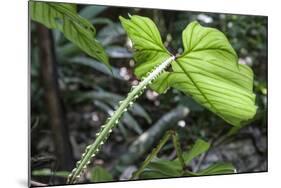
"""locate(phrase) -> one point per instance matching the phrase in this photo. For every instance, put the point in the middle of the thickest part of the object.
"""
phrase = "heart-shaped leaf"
(78, 30)
(209, 72)
(208, 69)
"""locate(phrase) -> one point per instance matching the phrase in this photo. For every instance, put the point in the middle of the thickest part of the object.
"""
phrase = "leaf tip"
(121, 18)
(195, 22)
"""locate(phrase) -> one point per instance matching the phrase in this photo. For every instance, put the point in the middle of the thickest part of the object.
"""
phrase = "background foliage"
(90, 91)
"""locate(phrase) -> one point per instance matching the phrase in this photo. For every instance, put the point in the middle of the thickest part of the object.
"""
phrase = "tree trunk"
(53, 102)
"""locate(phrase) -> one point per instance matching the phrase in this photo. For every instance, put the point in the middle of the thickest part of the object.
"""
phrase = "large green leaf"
(208, 69)
(78, 30)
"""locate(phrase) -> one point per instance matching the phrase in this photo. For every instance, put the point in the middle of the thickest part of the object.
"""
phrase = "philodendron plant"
(207, 70)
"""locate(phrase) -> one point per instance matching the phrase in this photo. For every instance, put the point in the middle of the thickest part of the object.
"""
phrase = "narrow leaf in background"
(198, 148)
(78, 30)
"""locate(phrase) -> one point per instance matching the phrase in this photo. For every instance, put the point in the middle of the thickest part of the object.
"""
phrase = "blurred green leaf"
(115, 73)
(233, 131)
(161, 168)
(78, 30)
(107, 109)
(198, 148)
(118, 52)
(126, 119)
(219, 168)
(190, 103)
(110, 34)
(106, 21)
(151, 174)
(131, 123)
(261, 86)
(99, 174)
(112, 99)
(91, 11)
(48, 172)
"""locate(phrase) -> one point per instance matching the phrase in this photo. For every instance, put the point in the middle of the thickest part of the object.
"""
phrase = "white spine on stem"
(106, 129)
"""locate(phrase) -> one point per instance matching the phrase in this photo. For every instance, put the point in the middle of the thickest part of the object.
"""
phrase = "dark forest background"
(73, 94)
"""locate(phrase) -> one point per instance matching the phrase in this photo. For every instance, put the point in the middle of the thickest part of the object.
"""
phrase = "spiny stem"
(176, 143)
(106, 129)
(153, 154)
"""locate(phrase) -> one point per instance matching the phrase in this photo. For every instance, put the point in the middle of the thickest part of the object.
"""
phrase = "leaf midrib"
(198, 88)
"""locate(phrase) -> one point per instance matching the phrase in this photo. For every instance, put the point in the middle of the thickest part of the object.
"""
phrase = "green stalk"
(153, 154)
(176, 143)
(112, 121)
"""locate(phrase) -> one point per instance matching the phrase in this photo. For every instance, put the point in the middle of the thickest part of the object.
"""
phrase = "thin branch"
(176, 144)
(153, 154)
